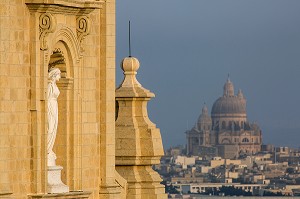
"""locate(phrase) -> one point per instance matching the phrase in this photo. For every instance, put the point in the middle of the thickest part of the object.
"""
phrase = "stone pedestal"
(55, 185)
(70, 195)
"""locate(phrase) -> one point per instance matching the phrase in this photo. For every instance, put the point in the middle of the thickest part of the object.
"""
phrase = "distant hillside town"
(274, 171)
(224, 156)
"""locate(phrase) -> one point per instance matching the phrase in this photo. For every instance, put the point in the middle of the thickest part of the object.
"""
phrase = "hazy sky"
(187, 48)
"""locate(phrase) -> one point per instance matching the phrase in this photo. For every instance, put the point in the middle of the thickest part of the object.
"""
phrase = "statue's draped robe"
(52, 95)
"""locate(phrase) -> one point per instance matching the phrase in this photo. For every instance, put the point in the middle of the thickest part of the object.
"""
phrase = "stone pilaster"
(138, 141)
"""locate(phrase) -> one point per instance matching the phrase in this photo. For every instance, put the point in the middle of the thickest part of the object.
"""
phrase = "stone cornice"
(70, 195)
(75, 7)
(137, 160)
(4, 194)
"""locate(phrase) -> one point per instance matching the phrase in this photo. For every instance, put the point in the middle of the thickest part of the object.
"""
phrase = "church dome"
(204, 120)
(204, 117)
(229, 103)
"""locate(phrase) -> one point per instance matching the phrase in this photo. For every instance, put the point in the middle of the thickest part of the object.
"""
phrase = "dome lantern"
(229, 104)
(204, 110)
(228, 88)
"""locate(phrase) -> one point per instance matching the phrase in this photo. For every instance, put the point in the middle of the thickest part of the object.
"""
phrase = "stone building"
(100, 155)
(227, 132)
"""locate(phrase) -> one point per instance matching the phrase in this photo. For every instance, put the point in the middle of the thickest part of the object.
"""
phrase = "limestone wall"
(85, 141)
(15, 117)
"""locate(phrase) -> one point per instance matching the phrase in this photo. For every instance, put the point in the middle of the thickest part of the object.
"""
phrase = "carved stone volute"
(82, 27)
(47, 24)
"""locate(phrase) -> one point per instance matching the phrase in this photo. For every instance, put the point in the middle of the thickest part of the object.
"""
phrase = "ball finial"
(130, 65)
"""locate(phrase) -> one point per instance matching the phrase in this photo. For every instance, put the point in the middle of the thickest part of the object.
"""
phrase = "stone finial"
(138, 141)
(130, 65)
(130, 87)
(240, 94)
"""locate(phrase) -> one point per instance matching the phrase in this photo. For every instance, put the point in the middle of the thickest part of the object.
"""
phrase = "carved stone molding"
(47, 24)
(70, 38)
(82, 27)
(70, 195)
(74, 7)
(5, 194)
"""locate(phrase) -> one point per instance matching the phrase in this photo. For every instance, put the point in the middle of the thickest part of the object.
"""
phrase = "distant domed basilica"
(225, 133)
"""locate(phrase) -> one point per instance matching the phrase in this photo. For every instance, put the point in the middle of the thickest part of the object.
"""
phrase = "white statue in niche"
(52, 95)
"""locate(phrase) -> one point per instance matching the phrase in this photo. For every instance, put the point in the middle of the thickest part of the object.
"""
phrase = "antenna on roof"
(129, 39)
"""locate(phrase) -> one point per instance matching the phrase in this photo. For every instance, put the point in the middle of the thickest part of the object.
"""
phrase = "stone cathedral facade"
(105, 143)
(227, 132)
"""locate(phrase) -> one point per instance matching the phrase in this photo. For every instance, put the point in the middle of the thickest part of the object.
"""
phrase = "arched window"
(225, 141)
(245, 140)
(223, 125)
(195, 141)
(201, 141)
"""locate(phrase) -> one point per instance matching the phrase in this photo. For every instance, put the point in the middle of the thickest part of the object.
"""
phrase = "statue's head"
(54, 74)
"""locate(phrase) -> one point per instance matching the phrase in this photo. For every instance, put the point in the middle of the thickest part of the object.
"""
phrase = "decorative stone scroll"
(47, 25)
(82, 27)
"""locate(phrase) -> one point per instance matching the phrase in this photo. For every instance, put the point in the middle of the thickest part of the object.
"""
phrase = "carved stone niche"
(74, 7)
(58, 60)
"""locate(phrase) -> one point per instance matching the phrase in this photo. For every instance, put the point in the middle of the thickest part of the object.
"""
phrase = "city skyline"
(186, 51)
